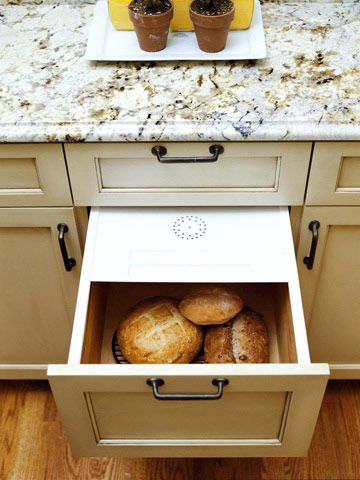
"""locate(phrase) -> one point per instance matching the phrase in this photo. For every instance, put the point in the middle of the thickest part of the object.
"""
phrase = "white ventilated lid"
(191, 244)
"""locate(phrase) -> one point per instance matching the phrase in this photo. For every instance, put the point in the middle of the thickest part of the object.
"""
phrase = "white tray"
(106, 43)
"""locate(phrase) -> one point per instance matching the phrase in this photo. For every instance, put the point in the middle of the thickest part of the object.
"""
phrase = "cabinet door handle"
(68, 261)
(160, 151)
(155, 383)
(314, 228)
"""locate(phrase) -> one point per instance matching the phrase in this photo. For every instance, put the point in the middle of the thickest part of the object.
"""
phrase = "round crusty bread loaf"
(242, 340)
(154, 331)
(210, 304)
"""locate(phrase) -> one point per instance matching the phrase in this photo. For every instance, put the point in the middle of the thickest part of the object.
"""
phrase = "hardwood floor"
(33, 446)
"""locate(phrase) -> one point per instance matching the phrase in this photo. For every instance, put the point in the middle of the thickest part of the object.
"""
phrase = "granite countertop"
(308, 87)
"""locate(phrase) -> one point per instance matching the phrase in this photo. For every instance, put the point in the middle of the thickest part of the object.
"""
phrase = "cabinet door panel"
(37, 296)
(331, 289)
(335, 174)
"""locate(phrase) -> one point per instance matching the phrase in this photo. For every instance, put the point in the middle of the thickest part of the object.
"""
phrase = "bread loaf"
(154, 331)
(210, 304)
(242, 340)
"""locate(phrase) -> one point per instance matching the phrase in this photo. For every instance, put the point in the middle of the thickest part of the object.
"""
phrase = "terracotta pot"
(152, 30)
(211, 30)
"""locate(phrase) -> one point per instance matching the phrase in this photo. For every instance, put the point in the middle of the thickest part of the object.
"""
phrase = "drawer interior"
(109, 302)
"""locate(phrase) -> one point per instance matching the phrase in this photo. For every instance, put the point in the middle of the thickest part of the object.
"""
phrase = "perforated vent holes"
(189, 227)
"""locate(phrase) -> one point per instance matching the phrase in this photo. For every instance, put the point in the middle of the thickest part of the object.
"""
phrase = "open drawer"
(108, 409)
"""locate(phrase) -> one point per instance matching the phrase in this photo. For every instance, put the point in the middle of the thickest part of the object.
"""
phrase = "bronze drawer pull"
(155, 383)
(160, 151)
(69, 262)
(313, 227)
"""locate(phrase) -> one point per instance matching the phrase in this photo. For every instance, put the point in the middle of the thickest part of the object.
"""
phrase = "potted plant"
(212, 19)
(151, 20)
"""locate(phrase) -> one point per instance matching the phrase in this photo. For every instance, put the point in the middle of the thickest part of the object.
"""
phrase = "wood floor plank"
(164, 469)
(33, 446)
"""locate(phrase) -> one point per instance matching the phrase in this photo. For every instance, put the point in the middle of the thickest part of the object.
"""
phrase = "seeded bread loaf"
(210, 305)
(242, 340)
(154, 331)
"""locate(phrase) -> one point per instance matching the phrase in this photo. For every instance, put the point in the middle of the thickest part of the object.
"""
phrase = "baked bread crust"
(210, 305)
(154, 331)
(243, 340)
(217, 344)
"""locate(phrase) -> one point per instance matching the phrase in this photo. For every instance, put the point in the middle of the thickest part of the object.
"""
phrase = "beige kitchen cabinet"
(330, 290)
(109, 409)
(126, 174)
(38, 296)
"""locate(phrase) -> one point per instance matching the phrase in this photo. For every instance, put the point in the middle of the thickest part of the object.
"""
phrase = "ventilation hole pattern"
(189, 227)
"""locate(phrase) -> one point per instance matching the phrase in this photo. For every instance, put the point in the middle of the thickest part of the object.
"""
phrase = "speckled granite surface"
(308, 87)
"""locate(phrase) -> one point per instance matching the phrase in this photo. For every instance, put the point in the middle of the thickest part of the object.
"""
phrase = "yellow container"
(118, 11)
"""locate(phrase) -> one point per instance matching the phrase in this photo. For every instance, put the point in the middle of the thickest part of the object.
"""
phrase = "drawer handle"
(155, 383)
(160, 151)
(68, 261)
(313, 227)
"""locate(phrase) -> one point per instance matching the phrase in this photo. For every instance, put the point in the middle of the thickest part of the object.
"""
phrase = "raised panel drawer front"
(335, 174)
(33, 175)
(108, 408)
(128, 174)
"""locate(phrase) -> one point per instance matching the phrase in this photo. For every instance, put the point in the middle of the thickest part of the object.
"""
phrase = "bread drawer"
(108, 409)
(125, 174)
(335, 174)
(33, 175)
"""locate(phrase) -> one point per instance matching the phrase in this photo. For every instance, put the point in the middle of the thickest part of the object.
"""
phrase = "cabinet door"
(330, 290)
(37, 295)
